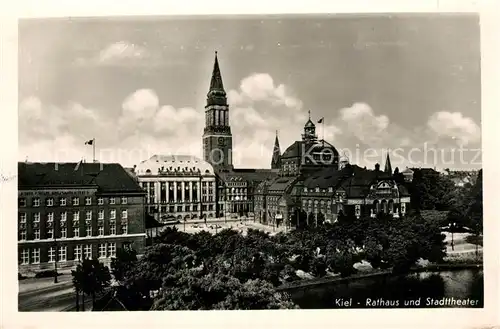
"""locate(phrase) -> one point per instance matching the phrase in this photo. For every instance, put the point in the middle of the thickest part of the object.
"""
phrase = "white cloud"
(455, 126)
(122, 50)
(257, 109)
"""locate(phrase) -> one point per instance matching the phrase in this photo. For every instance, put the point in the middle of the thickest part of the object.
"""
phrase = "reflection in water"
(394, 291)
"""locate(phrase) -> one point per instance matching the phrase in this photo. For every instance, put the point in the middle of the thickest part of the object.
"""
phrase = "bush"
(20, 276)
(474, 239)
(46, 274)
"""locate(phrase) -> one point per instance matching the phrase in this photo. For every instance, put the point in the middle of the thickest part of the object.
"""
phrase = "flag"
(321, 120)
(90, 142)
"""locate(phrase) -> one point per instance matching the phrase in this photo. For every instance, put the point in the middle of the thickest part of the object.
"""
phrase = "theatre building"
(71, 211)
(178, 187)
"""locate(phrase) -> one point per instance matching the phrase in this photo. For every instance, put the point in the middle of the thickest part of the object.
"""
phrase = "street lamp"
(452, 227)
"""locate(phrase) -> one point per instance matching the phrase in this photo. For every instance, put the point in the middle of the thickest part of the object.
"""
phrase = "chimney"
(377, 167)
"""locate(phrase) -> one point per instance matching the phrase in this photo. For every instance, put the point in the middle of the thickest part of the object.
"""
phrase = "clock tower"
(217, 138)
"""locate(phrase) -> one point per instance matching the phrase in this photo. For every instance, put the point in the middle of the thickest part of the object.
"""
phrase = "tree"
(189, 290)
(91, 277)
(123, 262)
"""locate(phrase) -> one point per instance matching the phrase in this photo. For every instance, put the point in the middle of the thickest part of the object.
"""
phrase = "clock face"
(221, 141)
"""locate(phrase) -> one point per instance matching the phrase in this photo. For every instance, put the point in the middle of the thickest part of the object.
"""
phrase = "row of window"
(163, 199)
(32, 255)
(76, 215)
(49, 233)
(173, 209)
(75, 201)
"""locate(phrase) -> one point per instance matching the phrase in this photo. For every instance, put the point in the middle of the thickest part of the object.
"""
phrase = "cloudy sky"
(410, 84)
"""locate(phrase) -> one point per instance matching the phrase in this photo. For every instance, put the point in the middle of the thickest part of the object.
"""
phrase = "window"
(50, 217)
(124, 214)
(62, 201)
(76, 232)
(64, 233)
(88, 251)
(36, 202)
(22, 235)
(50, 233)
(22, 217)
(36, 217)
(111, 200)
(88, 215)
(52, 254)
(88, 230)
(100, 201)
(76, 216)
(64, 216)
(111, 249)
(50, 202)
(76, 201)
(25, 256)
(78, 252)
(62, 254)
(127, 246)
(112, 214)
(101, 214)
(88, 201)
(124, 199)
(36, 255)
(124, 228)
(100, 230)
(36, 234)
(22, 202)
(102, 250)
(112, 229)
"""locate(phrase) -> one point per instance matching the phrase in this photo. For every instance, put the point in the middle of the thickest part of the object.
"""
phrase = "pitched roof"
(252, 175)
(106, 177)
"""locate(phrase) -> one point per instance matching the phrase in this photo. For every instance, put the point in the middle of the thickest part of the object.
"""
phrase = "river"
(455, 288)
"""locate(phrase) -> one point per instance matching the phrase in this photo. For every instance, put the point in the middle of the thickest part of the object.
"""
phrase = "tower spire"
(388, 167)
(216, 81)
(276, 160)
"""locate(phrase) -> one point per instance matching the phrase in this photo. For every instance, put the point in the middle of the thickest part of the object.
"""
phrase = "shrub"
(46, 274)
(20, 276)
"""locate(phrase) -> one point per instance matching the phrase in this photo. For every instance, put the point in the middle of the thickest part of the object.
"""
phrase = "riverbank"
(376, 273)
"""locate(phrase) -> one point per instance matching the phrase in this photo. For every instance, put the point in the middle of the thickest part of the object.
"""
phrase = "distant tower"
(344, 161)
(276, 160)
(309, 135)
(388, 167)
(217, 137)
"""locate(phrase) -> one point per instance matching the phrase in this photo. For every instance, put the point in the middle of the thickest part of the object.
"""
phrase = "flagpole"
(93, 150)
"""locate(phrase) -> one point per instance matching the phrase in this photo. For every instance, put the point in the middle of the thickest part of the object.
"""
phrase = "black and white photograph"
(249, 162)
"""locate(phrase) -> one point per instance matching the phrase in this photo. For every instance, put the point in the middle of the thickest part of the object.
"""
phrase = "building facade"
(315, 185)
(178, 187)
(71, 211)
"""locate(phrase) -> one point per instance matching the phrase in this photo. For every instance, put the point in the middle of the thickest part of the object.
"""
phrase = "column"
(147, 191)
(157, 189)
(183, 191)
(167, 188)
(175, 192)
(198, 190)
(226, 117)
(190, 191)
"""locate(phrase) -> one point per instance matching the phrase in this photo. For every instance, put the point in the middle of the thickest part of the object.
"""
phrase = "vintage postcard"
(250, 162)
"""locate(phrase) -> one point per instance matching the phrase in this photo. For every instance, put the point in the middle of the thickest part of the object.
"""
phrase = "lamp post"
(452, 227)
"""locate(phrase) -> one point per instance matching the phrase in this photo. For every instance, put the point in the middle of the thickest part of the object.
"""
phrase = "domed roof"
(181, 164)
(300, 148)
